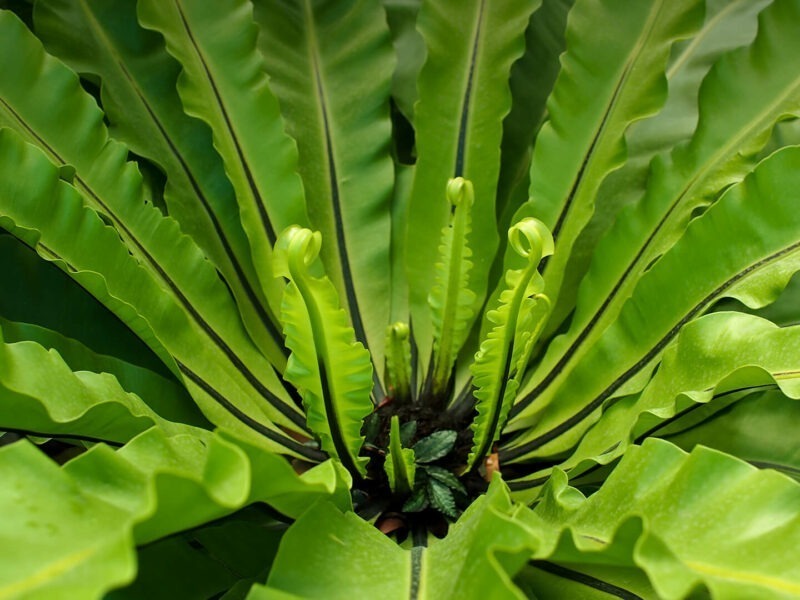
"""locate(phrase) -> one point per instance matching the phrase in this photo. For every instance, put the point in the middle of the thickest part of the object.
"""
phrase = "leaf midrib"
(747, 577)
(461, 144)
(285, 409)
(232, 134)
(172, 287)
(687, 52)
(213, 393)
(607, 116)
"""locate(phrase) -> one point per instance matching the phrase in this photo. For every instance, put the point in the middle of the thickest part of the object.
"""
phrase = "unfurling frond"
(451, 300)
(518, 320)
(330, 368)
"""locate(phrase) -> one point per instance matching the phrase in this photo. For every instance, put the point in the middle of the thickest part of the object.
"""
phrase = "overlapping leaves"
(175, 182)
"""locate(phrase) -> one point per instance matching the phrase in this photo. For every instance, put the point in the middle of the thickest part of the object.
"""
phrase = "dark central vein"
(333, 422)
(464, 121)
(524, 484)
(244, 282)
(254, 191)
(637, 259)
(604, 306)
(287, 442)
(636, 52)
(58, 435)
(584, 579)
(199, 193)
(283, 440)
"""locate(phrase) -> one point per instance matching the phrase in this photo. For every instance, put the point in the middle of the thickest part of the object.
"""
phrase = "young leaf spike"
(518, 320)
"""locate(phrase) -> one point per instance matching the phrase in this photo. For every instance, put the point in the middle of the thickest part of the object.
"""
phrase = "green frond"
(518, 320)
(451, 300)
(330, 368)
(398, 362)
(399, 466)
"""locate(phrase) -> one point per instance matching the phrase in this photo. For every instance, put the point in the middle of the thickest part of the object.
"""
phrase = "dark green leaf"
(418, 500)
(407, 432)
(435, 446)
(446, 477)
(441, 498)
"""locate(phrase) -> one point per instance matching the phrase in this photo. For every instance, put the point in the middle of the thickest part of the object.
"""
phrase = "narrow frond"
(330, 368)
(451, 300)
(518, 320)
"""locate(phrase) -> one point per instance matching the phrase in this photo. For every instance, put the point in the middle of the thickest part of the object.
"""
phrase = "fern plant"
(420, 299)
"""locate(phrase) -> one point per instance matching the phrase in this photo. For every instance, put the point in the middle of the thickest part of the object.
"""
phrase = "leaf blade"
(138, 80)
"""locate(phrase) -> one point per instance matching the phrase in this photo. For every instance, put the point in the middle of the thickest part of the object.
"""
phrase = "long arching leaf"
(739, 429)
(40, 395)
(729, 24)
(717, 355)
(103, 502)
(532, 79)
(223, 83)
(40, 294)
(602, 88)
(49, 215)
(165, 396)
(70, 131)
(641, 518)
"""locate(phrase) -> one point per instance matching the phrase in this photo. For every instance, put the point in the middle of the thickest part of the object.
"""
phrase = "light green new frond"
(451, 300)
(518, 320)
(399, 466)
(398, 361)
(332, 371)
